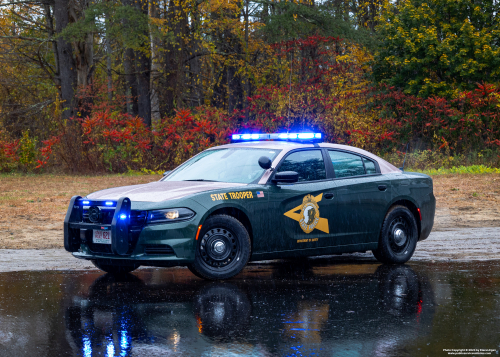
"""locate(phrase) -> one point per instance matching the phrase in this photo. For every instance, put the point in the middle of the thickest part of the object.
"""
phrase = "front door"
(300, 211)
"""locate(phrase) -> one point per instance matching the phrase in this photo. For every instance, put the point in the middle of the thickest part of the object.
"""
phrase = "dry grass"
(32, 207)
(467, 200)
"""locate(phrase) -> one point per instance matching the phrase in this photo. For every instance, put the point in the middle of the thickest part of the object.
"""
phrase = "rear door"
(300, 210)
(361, 195)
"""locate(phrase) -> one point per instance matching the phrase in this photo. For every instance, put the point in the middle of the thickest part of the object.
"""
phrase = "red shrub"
(469, 122)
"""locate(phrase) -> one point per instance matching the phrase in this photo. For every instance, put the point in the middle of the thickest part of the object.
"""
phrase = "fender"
(226, 205)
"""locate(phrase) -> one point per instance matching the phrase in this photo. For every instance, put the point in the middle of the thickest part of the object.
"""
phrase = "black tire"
(398, 237)
(222, 250)
(115, 268)
(195, 272)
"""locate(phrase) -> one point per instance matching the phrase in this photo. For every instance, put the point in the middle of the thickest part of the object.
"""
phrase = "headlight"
(169, 215)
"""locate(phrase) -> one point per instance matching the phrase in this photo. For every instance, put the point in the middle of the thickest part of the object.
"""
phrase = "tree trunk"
(84, 58)
(108, 59)
(130, 82)
(143, 67)
(129, 69)
(155, 70)
(195, 63)
(66, 65)
(50, 28)
(174, 58)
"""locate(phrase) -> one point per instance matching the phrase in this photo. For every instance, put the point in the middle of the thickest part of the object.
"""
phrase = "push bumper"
(167, 244)
(119, 227)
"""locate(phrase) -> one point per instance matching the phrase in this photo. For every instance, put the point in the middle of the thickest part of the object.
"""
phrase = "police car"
(264, 196)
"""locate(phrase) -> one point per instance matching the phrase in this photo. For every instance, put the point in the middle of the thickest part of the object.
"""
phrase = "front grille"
(137, 218)
(105, 217)
(158, 249)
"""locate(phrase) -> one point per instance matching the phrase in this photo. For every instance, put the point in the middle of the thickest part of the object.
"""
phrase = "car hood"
(160, 190)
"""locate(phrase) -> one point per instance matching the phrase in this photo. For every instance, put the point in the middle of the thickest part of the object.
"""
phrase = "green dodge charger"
(265, 196)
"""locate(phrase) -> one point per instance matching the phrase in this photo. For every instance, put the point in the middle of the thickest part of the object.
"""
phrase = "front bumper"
(428, 211)
(167, 244)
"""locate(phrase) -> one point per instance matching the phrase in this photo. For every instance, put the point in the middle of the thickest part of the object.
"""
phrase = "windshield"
(238, 165)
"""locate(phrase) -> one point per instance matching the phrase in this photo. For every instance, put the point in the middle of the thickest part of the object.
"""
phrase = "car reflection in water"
(363, 309)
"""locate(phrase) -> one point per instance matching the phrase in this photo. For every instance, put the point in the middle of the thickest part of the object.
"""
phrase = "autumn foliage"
(470, 122)
(321, 84)
(117, 142)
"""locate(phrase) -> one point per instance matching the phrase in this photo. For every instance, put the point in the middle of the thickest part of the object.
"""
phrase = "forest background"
(91, 86)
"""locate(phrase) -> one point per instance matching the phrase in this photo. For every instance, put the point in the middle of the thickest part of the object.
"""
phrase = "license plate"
(101, 237)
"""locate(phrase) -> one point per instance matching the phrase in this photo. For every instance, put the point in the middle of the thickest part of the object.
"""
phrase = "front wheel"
(398, 237)
(223, 248)
(114, 268)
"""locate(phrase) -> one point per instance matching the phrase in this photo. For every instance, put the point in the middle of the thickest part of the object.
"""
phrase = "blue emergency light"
(278, 136)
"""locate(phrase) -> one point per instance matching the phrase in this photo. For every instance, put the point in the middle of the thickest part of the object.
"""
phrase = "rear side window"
(346, 165)
(369, 166)
(308, 164)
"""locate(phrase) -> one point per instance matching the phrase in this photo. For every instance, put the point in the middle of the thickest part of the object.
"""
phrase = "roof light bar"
(278, 136)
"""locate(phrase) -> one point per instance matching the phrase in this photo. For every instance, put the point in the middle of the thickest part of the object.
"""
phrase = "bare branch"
(29, 20)
(28, 38)
(36, 2)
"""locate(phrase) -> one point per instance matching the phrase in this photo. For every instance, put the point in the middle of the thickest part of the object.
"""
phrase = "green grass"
(473, 169)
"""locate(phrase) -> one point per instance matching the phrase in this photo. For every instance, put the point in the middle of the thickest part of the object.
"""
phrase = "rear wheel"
(114, 268)
(223, 248)
(398, 237)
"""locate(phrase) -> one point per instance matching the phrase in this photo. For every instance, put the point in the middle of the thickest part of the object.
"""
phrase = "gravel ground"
(466, 244)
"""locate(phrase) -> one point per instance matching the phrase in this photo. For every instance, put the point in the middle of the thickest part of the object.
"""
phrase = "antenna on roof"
(403, 168)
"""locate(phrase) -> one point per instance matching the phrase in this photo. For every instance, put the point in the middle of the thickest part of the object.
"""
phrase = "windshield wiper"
(202, 180)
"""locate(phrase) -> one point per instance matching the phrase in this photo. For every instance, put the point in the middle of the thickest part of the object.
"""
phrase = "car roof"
(286, 146)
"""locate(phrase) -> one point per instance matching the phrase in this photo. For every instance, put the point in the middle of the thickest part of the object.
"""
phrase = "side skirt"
(350, 248)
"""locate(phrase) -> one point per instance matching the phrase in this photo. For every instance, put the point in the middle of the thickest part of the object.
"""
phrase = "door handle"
(328, 196)
(382, 187)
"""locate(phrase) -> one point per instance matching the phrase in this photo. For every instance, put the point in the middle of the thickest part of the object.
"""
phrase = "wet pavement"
(465, 244)
(315, 307)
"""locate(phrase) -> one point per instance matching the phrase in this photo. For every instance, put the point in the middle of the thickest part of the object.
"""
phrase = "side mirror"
(286, 177)
(265, 162)
(166, 173)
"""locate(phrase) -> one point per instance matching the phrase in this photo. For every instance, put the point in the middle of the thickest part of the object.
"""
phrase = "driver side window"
(308, 164)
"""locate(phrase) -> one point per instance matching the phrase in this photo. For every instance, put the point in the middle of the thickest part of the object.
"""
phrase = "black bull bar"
(73, 222)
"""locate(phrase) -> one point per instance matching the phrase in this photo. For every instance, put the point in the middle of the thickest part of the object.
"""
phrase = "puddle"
(310, 308)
